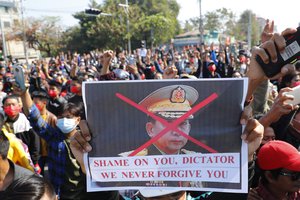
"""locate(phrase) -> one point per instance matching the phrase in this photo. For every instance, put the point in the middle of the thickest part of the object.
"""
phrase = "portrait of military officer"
(169, 103)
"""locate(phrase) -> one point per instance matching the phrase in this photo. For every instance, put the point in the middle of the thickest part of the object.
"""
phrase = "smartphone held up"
(290, 54)
(19, 77)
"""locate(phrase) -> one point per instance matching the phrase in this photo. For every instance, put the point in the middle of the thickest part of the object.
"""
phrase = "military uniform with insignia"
(168, 103)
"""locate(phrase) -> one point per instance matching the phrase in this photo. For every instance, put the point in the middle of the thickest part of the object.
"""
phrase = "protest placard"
(166, 134)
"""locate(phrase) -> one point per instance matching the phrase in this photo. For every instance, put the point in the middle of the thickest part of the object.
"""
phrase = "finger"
(81, 143)
(261, 52)
(253, 130)
(288, 31)
(287, 108)
(286, 69)
(246, 115)
(85, 131)
(75, 144)
(271, 49)
(272, 27)
(266, 28)
(279, 41)
(284, 90)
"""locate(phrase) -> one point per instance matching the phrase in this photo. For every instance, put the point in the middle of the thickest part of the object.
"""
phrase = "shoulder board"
(144, 152)
(184, 151)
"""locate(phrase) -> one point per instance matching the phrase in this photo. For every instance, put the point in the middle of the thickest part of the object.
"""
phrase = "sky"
(284, 14)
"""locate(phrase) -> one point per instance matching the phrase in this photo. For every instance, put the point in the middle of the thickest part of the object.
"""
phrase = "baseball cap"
(278, 154)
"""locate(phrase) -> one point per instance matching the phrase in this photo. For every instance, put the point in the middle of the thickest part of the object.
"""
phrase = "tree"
(148, 19)
(242, 27)
(212, 21)
(43, 34)
(227, 21)
(188, 26)
(159, 25)
(224, 21)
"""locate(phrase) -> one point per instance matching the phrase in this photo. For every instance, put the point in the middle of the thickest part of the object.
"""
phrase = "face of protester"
(269, 135)
(285, 182)
(40, 104)
(171, 142)
(53, 92)
(67, 123)
(75, 87)
(12, 108)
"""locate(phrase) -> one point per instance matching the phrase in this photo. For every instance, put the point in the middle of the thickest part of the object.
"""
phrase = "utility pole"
(3, 41)
(200, 23)
(126, 6)
(249, 30)
(24, 33)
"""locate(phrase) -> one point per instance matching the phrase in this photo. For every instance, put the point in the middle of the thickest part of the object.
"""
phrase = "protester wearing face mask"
(242, 61)
(76, 96)
(56, 102)
(40, 99)
(16, 123)
(212, 70)
(64, 172)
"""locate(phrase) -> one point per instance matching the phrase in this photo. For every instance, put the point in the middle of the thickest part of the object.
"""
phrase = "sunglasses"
(294, 175)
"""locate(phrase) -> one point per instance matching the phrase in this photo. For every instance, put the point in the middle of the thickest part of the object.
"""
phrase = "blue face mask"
(66, 125)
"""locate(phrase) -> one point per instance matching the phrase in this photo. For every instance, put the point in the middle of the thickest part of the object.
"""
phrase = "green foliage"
(242, 27)
(212, 21)
(148, 19)
(224, 21)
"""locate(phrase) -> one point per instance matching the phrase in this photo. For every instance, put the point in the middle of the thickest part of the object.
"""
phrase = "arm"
(158, 67)
(278, 109)
(45, 68)
(34, 146)
(107, 56)
(42, 128)
(26, 100)
(73, 70)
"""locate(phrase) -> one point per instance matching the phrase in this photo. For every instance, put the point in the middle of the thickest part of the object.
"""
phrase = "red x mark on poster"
(170, 126)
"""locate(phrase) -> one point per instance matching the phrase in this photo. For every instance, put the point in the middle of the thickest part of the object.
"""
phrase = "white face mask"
(66, 125)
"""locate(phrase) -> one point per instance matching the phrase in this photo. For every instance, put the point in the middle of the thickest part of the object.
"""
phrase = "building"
(193, 38)
(10, 15)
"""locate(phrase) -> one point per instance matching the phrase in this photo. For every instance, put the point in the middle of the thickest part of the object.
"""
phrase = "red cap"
(278, 154)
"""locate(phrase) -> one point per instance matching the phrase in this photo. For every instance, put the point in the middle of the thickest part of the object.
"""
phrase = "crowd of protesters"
(38, 124)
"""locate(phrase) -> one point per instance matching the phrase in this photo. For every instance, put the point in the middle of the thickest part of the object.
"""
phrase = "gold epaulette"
(144, 152)
(184, 151)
